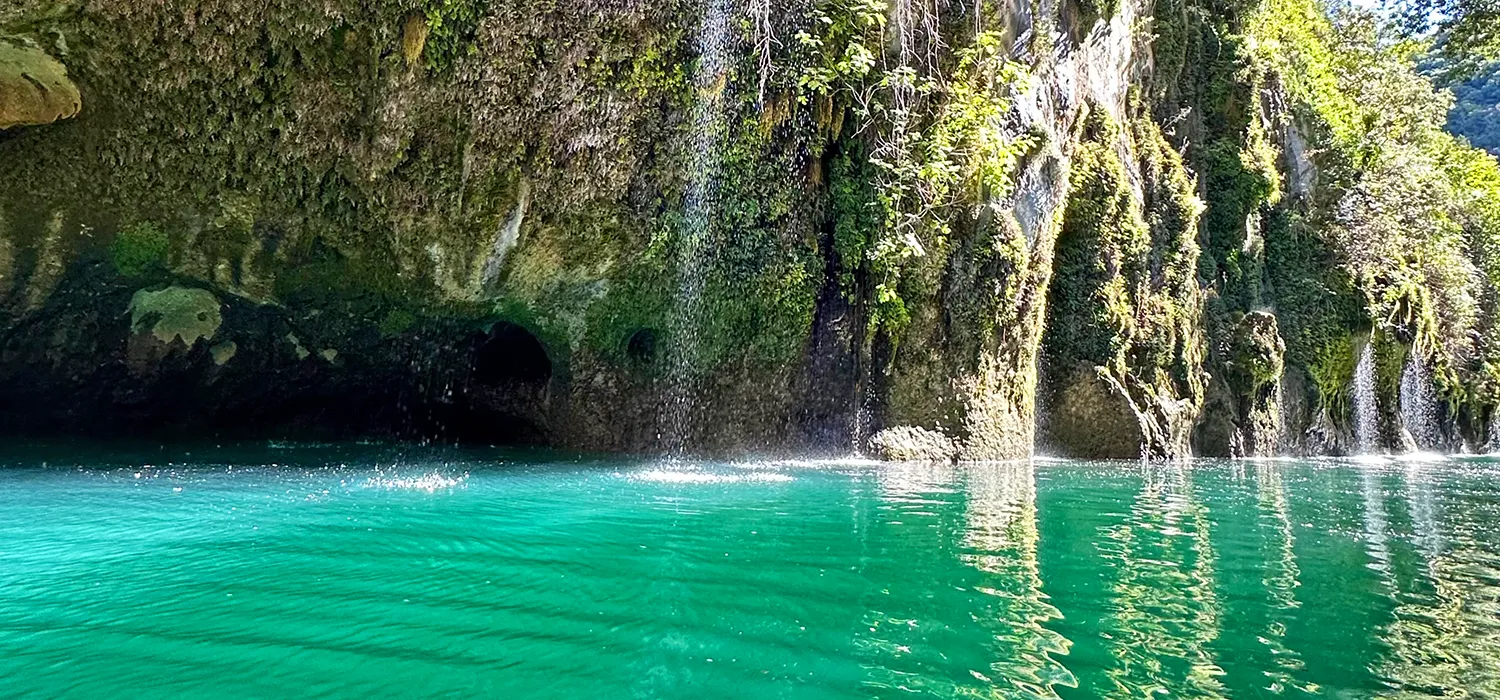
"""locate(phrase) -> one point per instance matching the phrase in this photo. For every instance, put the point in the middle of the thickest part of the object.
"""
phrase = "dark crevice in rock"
(641, 347)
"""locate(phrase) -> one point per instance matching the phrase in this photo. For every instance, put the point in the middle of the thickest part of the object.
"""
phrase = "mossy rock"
(1256, 355)
(34, 87)
(176, 313)
(1093, 417)
(911, 444)
(139, 250)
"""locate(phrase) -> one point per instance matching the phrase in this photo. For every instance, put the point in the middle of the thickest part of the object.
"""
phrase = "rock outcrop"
(34, 87)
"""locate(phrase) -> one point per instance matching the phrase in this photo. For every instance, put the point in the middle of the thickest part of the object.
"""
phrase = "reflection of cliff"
(1001, 540)
(955, 584)
(908, 529)
(1444, 634)
(1280, 582)
(1164, 609)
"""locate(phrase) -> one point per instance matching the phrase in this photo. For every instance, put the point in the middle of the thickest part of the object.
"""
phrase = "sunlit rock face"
(34, 87)
(927, 231)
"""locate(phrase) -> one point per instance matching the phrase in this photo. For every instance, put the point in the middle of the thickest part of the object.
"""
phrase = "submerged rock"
(34, 87)
(223, 352)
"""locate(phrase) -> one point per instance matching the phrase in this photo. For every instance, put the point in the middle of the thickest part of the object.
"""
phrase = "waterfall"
(1492, 436)
(1419, 405)
(702, 165)
(1366, 411)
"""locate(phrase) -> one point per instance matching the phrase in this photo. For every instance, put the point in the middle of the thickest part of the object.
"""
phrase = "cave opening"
(510, 355)
(504, 400)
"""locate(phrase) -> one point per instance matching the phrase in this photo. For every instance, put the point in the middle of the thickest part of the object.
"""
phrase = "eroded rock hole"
(510, 354)
(641, 346)
(505, 398)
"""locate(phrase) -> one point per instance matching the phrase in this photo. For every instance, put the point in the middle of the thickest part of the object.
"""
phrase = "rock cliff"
(953, 230)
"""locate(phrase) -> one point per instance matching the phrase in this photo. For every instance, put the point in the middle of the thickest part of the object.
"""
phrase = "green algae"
(140, 250)
(176, 313)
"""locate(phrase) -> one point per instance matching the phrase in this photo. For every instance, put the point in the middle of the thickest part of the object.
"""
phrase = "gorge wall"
(954, 230)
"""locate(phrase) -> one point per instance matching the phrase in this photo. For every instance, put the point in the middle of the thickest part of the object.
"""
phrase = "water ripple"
(347, 573)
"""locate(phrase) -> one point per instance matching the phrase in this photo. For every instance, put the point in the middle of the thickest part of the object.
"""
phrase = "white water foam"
(672, 476)
(430, 482)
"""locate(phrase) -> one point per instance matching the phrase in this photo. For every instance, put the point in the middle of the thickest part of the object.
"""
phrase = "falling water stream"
(702, 166)
(1366, 411)
(1492, 437)
(1419, 405)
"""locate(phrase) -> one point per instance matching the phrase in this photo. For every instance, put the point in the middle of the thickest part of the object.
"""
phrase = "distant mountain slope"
(1476, 108)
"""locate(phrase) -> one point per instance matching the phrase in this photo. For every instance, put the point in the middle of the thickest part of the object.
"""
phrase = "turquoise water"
(377, 572)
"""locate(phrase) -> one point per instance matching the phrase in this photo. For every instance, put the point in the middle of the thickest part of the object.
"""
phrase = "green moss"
(176, 313)
(641, 298)
(759, 287)
(1317, 307)
(395, 322)
(854, 210)
(1255, 357)
(451, 25)
(1390, 361)
(140, 250)
(763, 316)
(1330, 366)
(1100, 257)
(1235, 187)
(1124, 307)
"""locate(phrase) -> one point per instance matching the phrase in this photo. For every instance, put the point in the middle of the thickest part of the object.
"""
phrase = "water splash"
(1419, 405)
(1492, 435)
(679, 476)
(1366, 410)
(703, 164)
(431, 482)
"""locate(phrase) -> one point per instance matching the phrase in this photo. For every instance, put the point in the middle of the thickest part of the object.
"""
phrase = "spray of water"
(703, 164)
(1492, 436)
(1366, 412)
(1419, 405)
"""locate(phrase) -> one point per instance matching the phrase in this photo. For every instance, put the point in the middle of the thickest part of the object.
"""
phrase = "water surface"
(362, 572)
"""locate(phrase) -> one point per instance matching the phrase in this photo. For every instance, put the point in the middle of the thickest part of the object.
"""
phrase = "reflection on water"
(1279, 582)
(329, 571)
(1000, 539)
(1163, 613)
(1444, 635)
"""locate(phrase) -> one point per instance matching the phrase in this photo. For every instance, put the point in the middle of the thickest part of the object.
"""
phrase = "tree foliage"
(1469, 30)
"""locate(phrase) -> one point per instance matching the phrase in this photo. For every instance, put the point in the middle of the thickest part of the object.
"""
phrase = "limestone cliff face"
(958, 231)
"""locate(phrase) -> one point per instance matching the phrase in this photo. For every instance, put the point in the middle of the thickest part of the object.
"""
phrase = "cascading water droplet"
(1419, 405)
(1366, 410)
(702, 166)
